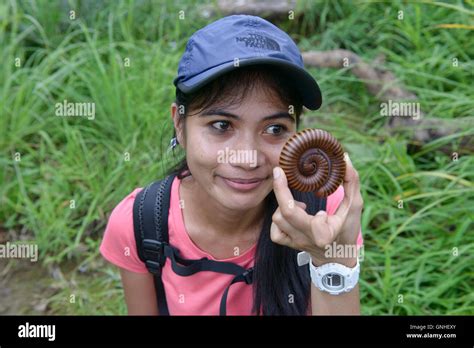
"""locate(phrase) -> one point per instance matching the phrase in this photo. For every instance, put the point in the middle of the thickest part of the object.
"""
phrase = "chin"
(236, 203)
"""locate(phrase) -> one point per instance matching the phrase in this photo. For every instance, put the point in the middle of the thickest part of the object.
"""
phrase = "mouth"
(240, 184)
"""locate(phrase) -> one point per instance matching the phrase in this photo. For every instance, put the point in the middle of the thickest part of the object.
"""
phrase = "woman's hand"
(294, 228)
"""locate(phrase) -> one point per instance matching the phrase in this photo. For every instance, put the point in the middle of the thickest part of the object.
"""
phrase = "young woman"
(241, 87)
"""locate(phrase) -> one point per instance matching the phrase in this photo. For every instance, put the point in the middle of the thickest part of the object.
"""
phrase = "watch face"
(333, 281)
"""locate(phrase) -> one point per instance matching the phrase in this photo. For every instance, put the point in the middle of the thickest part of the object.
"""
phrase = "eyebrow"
(214, 112)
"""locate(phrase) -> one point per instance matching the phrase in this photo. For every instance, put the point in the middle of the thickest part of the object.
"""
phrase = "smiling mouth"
(245, 181)
(243, 184)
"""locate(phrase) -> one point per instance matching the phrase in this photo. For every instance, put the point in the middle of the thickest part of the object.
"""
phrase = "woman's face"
(231, 150)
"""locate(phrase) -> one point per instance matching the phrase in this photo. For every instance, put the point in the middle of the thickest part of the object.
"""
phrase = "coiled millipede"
(313, 161)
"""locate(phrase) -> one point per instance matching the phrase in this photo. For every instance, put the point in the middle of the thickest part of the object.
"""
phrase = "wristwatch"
(333, 278)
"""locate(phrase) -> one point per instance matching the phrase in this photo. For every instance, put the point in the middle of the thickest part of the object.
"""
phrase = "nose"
(247, 153)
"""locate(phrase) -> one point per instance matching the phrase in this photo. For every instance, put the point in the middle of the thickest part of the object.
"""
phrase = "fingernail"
(276, 172)
(321, 212)
(347, 158)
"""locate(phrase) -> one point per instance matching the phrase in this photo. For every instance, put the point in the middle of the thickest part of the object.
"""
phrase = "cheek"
(273, 154)
(201, 152)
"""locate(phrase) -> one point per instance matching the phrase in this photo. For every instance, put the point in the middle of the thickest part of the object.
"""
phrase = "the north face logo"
(259, 41)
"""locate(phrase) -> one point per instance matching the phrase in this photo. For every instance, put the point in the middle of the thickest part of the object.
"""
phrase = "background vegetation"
(419, 259)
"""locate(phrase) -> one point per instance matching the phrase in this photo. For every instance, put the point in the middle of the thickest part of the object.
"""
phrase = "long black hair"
(280, 287)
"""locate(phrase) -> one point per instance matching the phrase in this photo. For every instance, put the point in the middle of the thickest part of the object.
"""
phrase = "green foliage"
(418, 258)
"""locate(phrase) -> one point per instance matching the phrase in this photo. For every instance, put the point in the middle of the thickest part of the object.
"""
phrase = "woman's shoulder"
(334, 200)
(125, 206)
(118, 244)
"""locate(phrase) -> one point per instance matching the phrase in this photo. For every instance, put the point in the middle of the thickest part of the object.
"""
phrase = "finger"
(300, 239)
(324, 229)
(279, 237)
(285, 226)
(351, 188)
(351, 178)
(302, 205)
(352, 199)
(298, 218)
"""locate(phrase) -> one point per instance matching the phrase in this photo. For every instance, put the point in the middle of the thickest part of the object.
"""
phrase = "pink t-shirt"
(200, 293)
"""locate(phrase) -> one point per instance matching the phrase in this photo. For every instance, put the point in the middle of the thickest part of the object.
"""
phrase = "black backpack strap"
(246, 276)
(190, 267)
(150, 223)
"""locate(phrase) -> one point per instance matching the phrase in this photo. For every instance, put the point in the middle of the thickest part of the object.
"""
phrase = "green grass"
(410, 265)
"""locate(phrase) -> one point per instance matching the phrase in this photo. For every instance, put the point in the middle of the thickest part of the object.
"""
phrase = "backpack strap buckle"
(248, 276)
(154, 252)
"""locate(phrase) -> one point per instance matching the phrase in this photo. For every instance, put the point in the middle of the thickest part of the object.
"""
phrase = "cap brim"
(301, 79)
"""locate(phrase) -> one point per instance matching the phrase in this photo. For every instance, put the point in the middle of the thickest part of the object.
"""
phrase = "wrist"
(346, 261)
(335, 276)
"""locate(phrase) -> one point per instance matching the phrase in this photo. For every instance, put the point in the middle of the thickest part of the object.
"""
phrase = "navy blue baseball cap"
(242, 40)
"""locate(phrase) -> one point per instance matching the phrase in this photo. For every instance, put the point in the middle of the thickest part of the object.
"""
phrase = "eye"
(277, 129)
(221, 126)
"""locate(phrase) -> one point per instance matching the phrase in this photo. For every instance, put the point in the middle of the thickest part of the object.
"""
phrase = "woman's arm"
(293, 227)
(139, 289)
(323, 303)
